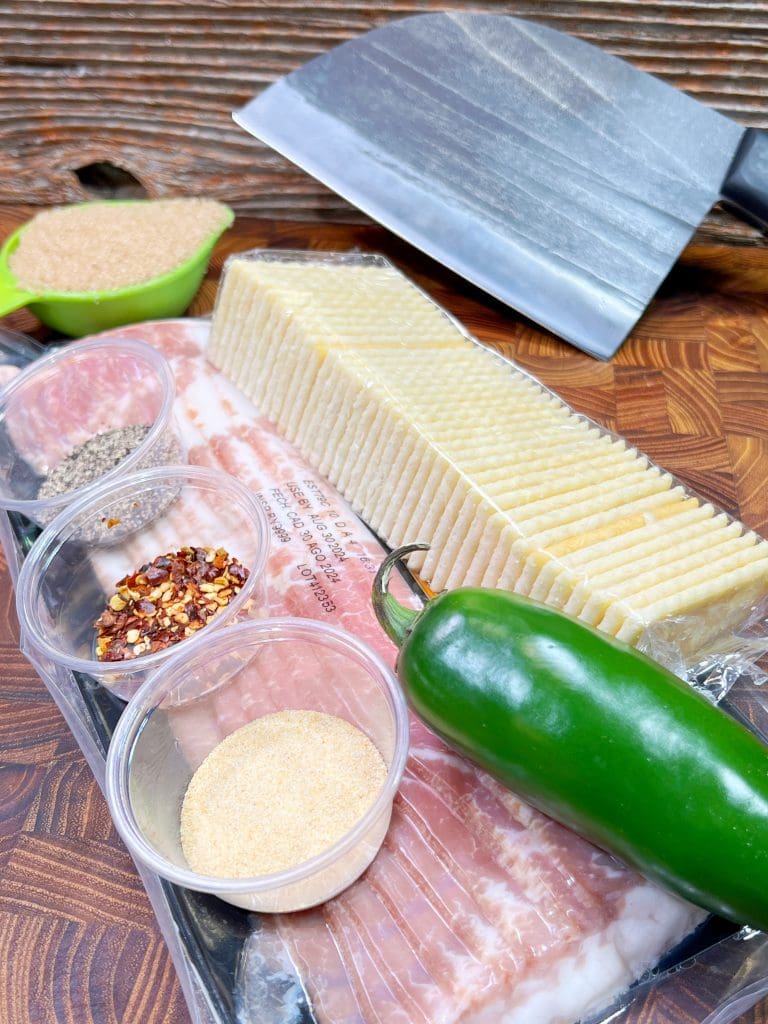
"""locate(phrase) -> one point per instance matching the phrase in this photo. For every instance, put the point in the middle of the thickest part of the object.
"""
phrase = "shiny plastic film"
(477, 907)
(16, 351)
(432, 437)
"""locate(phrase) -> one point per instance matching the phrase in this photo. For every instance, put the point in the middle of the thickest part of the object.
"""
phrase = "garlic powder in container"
(277, 792)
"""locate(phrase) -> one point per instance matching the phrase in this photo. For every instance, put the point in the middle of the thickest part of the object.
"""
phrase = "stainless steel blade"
(556, 177)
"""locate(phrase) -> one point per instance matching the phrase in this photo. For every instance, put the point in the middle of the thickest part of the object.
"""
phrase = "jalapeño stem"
(395, 619)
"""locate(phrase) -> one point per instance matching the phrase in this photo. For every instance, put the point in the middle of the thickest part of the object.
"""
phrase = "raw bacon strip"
(367, 924)
(518, 850)
(316, 955)
(444, 953)
(445, 890)
(520, 924)
(379, 996)
(597, 874)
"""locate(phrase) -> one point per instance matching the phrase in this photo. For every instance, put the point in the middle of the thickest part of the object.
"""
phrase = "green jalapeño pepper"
(594, 734)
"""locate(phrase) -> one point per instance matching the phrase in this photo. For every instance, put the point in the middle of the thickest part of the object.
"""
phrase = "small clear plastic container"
(201, 696)
(109, 533)
(69, 396)
(17, 351)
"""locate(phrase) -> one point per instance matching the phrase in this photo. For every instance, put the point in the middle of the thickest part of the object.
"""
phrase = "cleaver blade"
(556, 177)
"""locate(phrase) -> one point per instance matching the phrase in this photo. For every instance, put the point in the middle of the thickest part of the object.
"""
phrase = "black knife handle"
(746, 183)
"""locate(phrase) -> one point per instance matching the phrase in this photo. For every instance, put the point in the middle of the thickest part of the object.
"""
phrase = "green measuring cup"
(79, 313)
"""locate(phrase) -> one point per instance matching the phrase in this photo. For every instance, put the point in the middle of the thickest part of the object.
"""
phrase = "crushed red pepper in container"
(166, 601)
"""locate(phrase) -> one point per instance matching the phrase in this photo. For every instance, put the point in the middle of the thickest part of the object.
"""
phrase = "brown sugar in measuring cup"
(92, 266)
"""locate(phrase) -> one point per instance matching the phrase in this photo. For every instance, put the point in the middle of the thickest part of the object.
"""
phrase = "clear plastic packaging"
(66, 398)
(109, 533)
(229, 964)
(16, 352)
(198, 698)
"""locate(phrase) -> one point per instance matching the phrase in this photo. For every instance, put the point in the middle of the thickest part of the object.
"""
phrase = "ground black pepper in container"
(91, 459)
(64, 419)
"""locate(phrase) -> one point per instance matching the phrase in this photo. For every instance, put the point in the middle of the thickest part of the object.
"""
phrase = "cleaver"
(556, 177)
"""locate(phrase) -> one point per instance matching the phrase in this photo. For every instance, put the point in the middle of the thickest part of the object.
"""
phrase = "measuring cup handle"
(12, 297)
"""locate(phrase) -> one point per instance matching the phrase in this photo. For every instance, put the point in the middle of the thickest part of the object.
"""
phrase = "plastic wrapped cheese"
(432, 437)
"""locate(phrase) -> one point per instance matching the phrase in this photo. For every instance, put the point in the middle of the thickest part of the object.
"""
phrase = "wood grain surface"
(149, 86)
(78, 943)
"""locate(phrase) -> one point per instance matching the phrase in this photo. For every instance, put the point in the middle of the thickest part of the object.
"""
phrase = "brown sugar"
(277, 792)
(105, 246)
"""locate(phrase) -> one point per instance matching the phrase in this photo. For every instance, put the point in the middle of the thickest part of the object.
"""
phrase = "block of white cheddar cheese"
(432, 437)
(573, 568)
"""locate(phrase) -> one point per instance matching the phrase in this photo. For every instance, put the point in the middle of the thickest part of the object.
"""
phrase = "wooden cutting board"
(78, 940)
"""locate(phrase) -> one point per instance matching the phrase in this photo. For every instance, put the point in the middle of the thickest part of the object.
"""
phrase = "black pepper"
(92, 459)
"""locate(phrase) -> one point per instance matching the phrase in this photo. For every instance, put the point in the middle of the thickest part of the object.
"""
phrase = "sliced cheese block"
(561, 574)
(462, 466)
(700, 619)
(279, 334)
(527, 560)
(230, 338)
(545, 473)
(669, 594)
(412, 475)
(597, 593)
(444, 505)
(543, 515)
(329, 423)
(442, 456)
(432, 437)
(661, 542)
(384, 470)
(358, 411)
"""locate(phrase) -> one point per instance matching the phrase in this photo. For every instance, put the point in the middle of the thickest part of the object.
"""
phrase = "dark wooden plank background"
(149, 86)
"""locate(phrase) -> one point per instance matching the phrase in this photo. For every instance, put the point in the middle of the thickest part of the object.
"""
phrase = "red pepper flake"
(167, 600)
